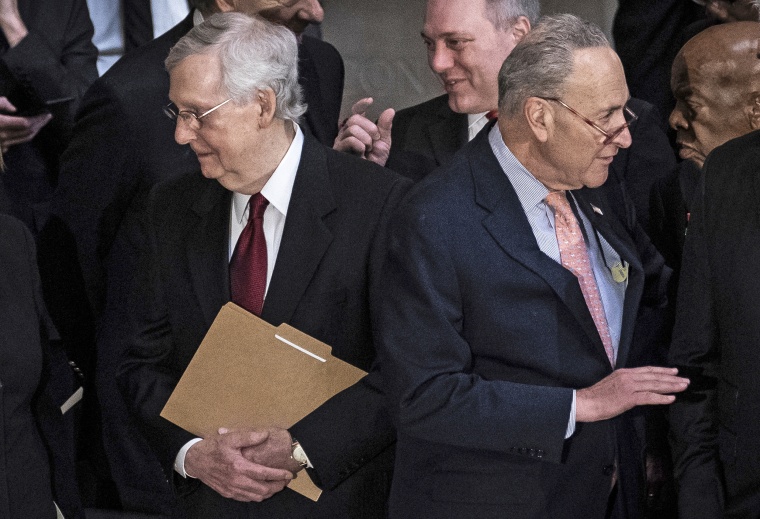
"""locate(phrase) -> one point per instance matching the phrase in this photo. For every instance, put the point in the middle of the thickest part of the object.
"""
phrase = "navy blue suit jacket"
(482, 338)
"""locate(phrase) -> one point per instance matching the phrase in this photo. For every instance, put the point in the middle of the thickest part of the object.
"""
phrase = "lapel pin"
(597, 210)
(619, 272)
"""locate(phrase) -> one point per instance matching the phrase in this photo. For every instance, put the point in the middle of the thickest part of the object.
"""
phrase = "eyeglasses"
(609, 135)
(189, 117)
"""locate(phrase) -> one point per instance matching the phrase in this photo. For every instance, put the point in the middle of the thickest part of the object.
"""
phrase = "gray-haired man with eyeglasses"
(286, 228)
(514, 292)
(122, 145)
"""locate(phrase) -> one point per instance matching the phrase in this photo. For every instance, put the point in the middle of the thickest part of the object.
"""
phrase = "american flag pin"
(596, 210)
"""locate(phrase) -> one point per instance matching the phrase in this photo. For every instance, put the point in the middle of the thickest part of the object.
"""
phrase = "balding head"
(716, 83)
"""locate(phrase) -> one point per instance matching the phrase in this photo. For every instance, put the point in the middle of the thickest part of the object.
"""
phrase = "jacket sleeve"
(50, 69)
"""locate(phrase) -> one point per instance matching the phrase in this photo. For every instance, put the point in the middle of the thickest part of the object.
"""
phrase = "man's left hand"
(275, 452)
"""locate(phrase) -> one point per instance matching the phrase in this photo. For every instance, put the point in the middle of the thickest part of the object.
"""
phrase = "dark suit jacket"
(36, 447)
(716, 424)
(671, 205)
(54, 62)
(648, 34)
(325, 273)
(482, 337)
(123, 144)
(427, 135)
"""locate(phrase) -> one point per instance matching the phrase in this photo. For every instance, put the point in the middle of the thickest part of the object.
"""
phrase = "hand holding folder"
(250, 374)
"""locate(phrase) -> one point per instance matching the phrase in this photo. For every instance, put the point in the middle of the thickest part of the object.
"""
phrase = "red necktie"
(248, 266)
(493, 114)
(574, 256)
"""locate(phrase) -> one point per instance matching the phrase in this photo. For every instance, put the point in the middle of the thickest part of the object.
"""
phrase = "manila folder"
(248, 373)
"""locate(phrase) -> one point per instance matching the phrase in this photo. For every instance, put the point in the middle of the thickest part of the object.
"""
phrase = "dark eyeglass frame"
(609, 135)
(172, 113)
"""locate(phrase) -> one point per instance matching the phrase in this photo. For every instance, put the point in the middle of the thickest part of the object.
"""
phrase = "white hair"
(254, 55)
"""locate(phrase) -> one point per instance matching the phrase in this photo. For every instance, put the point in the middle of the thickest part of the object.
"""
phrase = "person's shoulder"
(171, 199)
(736, 153)
(320, 49)
(434, 106)
(140, 65)
(350, 171)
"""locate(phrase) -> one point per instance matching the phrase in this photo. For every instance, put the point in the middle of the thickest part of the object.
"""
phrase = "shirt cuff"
(179, 461)
(571, 421)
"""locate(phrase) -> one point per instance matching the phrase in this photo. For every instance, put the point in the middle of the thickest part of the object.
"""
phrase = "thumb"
(385, 123)
(6, 105)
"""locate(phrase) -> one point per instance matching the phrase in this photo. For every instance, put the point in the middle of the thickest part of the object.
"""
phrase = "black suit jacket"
(648, 34)
(122, 146)
(482, 337)
(322, 282)
(428, 135)
(36, 446)
(715, 425)
(54, 63)
(670, 209)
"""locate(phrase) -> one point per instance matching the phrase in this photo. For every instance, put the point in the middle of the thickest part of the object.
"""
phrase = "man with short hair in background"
(467, 41)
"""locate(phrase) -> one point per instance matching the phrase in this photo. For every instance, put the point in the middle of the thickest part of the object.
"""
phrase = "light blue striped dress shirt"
(532, 195)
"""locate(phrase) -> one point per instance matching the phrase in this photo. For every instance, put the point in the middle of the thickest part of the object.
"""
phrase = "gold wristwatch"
(298, 454)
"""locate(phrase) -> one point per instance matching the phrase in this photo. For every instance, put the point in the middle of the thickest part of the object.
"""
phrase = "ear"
(520, 28)
(267, 103)
(226, 6)
(539, 117)
(754, 111)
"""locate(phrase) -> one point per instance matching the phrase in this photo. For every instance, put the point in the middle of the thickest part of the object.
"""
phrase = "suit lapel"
(509, 227)
(306, 236)
(207, 246)
(447, 133)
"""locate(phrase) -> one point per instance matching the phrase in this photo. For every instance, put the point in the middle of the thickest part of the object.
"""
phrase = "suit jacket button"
(608, 470)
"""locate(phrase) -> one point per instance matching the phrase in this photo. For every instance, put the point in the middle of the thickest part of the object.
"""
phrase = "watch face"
(299, 454)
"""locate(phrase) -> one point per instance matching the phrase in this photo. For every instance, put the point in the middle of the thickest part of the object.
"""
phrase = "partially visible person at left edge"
(47, 61)
(36, 454)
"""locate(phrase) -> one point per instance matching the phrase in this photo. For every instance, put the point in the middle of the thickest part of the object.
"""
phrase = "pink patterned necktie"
(248, 266)
(574, 256)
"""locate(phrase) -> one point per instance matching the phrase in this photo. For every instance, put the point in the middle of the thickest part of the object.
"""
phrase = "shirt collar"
(279, 187)
(529, 190)
(473, 119)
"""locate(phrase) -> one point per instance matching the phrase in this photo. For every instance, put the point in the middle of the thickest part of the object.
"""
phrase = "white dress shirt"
(475, 123)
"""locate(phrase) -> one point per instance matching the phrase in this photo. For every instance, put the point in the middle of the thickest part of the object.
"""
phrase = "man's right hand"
(625, 389)
(360, 136)
(218, 462)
